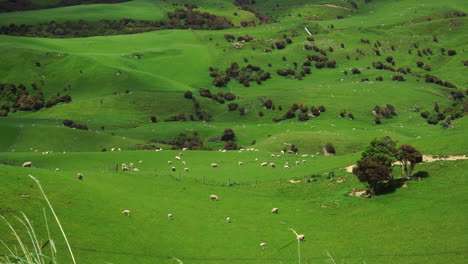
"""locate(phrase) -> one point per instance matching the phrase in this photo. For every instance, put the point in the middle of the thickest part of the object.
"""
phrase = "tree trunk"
(372, 187)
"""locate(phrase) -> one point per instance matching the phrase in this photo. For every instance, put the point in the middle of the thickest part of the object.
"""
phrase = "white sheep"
(126, 212)
(27, 164)
(79, 176)
(263, 245)
(183, 162)
(274, 210)
(173, 168)
(278, 156)
(214, 165)
(241, 163)
(57, 169)
(169, 216)
(169, 162)
(286, 167)
(124, 167)
(228, 219)
(297, 162)
(177, 158)
(136, 169)
(301, 238)
(304, 156)
(272, 155)
(264, 164)
(186, 169)
(273, 165)
(214, 197)
(304, 161)
(112, 149)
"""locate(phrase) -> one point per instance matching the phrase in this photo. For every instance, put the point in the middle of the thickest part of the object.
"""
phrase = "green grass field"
(112, 87)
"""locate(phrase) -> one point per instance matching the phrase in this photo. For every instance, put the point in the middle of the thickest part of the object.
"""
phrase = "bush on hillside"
(228, 135)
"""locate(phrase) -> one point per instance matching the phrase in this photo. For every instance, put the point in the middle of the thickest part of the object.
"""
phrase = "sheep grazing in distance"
(272, 155)
(278, 156)
(173, 169)
(124, 167)
(119, 149)
(27, 164)
(272, 165)
(301, 238)
(297, 162)
(183, 162)
(126, 212)
(228, 219)
(136, 169)
(181, 154)
(186, 169)
(184, 148)
(177, 158)
(304, 161)
(169, 216)
(304, 156)
(140, 161)
(79, 176)
(214, 197)
(57, 169)
(241, 163)
(286, 167)
(112, 149)
(274, 210)
(214, 165)
(282, 151)
(263, 245)
(169, 162)
(264, 164)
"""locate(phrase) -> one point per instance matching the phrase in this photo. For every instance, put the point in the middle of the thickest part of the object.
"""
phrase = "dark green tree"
(409, 158)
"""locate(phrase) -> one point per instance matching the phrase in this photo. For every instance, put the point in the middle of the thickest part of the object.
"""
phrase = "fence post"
(179, 175)
(116, 167)
(229, 181)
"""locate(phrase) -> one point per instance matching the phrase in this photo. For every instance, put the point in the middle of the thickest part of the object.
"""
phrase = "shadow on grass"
(392, 186)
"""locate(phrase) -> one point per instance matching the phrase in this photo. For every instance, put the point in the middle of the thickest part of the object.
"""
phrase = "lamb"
(177, 158)
(297, 162)
(169, 216)
(264, 164)
(304, 161)
(214, 165)
(112, 149)
(304, 156)
(124, 167)
(274, 210)
(272, 155)
(79, 176)
(27, 164)
(186, 169)
(301, 238)
(228, 219)
(57, 169)
(183, 162)
(214, 197)
(263, 245)
(278, 156)
(241, 163)
(126, 212)
(286, 167)
(136, 169)
(173, 169)
(169, 162)
(273, 165)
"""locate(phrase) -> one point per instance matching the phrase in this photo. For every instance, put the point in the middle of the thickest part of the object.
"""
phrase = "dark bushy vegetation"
(22, 5)
(386, 111)
(179, 19)
(72, 124)
(189, 140)
(228, 135)
(244, 75)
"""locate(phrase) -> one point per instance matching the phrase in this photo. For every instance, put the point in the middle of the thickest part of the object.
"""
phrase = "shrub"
(72, 124)
(268, 104)
(232, 106)
(188, 95)
(351, 116)
(398, 78)
(260, 113)
(230, 145)
(302, 116)
(451, 52)
(205, 92)
(242, 111)
(322, 108)
(228, 135)
(280, 45)
(342, 113)
(229, 96)
(153, 119)
(4, 112)
(419, 64)
(355, 71)
(330, 148)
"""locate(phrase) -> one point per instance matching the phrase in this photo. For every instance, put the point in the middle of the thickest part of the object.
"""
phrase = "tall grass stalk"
(298, 244)
(56, 218)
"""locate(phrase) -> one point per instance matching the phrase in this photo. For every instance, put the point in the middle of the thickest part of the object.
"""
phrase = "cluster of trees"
(244, 75)
(17, 97)
(180, 19)
(72, 124)
(303, 114)
(247, 6)
(386, 111)
(22, 5)
(456, 110)
(189, 140)
(322, 61)
(290, 73)
(292, 149)
(343, 114)
(433, 79)
(232, 38)
(229, 137)
(220, 96)
(375, 165)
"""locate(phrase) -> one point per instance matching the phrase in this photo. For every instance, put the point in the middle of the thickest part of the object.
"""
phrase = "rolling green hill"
(116, 83)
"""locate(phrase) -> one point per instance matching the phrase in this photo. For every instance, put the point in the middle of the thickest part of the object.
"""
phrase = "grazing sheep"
(186, 169)
(282, 151)
(140, 161)
(181, 154)
(112, 149)
(263, 245)
(79, 176)
(304, 161)
(136, 169)
(278, 156)
(301, 238)
(173, 169)
(304, 156)
(297, 162)
(214, 165)
(228, 219)
(119, 149)
(169, 162)
(241, 163)
(183, 162)
(272, 155)
(184, 148)
(169, 216)
(286, 167)
(274, 210)
(272, 165)
(264, 164)
(214, 197)
(177, 158)
(126, 212)
(57, 169)
(124, 167)
(27, 164)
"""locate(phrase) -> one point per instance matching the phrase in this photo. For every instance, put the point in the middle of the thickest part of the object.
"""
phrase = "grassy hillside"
(117, 83)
